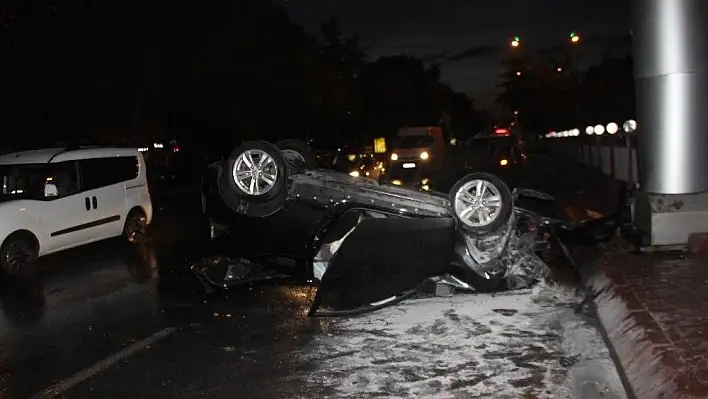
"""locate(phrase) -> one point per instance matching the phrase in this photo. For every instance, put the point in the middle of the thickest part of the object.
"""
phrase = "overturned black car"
(372, 243)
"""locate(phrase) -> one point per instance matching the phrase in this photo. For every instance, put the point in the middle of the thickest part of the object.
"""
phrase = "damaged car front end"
(368, 244)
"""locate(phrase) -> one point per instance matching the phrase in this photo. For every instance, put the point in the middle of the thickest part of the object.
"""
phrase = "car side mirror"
(50, 190)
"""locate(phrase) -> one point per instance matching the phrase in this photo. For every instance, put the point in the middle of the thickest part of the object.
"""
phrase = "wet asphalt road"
(91, 304)
(103, 322)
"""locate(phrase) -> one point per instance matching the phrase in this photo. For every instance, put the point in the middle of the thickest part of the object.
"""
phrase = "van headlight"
(424, 155)
(394, 156)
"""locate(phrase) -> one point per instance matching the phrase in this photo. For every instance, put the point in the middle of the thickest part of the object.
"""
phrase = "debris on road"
(466, 345)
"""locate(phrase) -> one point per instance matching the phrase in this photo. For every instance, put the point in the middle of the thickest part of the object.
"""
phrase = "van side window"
(64, 176)
(102, 172)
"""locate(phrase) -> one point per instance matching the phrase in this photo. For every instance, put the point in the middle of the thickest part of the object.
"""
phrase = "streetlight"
(559, 69)
(629, 126)
(515, 41)
(574, 38)
(518, 73)
(612, 128)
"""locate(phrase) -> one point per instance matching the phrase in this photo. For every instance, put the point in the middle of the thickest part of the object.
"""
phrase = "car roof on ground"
(54, 155)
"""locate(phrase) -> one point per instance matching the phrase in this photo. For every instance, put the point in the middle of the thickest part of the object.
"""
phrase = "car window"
(102, 172)
(22, 181)
(64, 176)
(503, 150)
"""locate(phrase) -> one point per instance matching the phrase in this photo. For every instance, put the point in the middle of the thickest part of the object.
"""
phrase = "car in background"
(60, 198)
(358, 165)
(495, 153)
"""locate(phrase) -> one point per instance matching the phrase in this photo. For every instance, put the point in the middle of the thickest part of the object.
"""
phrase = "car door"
(62, 212)
(103, 182)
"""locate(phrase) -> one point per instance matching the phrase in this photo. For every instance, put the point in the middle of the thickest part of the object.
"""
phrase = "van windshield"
(413, 142)
(22, 181)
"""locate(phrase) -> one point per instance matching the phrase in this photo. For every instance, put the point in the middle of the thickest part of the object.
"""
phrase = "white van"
(419, 144)
(55, 199)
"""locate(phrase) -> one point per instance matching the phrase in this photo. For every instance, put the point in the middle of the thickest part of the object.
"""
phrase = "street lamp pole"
(514, 44)
(574, 40)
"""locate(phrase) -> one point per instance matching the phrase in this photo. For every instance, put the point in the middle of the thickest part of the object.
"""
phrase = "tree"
(207, 73)
(401, 91)
(549, 99)
(608, 91)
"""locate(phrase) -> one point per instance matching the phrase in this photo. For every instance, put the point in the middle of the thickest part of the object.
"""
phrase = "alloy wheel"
(255, 172)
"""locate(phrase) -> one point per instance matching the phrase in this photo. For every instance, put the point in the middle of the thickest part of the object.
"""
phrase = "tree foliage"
(553, 94)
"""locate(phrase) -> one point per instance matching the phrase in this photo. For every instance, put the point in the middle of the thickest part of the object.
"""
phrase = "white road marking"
(83, 375)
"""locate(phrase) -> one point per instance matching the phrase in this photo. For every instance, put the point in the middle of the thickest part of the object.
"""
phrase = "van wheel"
(18, 255)
(135, 227)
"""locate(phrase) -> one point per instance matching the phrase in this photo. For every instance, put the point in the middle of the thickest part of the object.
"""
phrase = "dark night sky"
(437, 30)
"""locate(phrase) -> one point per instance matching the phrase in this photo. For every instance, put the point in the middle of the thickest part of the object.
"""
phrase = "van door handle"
(95, 202)
(87, 202)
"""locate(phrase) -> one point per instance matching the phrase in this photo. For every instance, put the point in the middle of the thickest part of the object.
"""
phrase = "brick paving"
(654, 308)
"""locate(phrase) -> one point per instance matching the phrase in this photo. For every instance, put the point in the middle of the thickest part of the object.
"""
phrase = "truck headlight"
(424, 155)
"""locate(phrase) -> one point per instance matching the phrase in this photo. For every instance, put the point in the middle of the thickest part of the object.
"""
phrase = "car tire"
(135, 227)
(464, 198)
(18, 255)
(297, 154)
(239, 197)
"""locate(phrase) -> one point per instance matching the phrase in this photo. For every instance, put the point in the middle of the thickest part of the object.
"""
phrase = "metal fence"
(613, 154)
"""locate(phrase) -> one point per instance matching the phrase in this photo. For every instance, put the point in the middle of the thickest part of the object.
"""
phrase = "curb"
(594, 374)
(639, 360)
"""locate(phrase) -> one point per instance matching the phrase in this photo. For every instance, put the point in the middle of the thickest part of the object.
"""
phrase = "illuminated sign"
(380, 145)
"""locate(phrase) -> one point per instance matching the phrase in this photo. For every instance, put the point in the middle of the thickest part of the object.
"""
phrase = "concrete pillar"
(670, 40)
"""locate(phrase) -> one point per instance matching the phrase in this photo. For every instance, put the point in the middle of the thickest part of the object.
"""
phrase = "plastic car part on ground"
(368, 243)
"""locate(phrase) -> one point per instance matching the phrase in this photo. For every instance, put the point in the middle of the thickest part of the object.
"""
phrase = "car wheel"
(481, 203)
(253, 183)
(297, 154)
(135, 227)
(18, 255)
